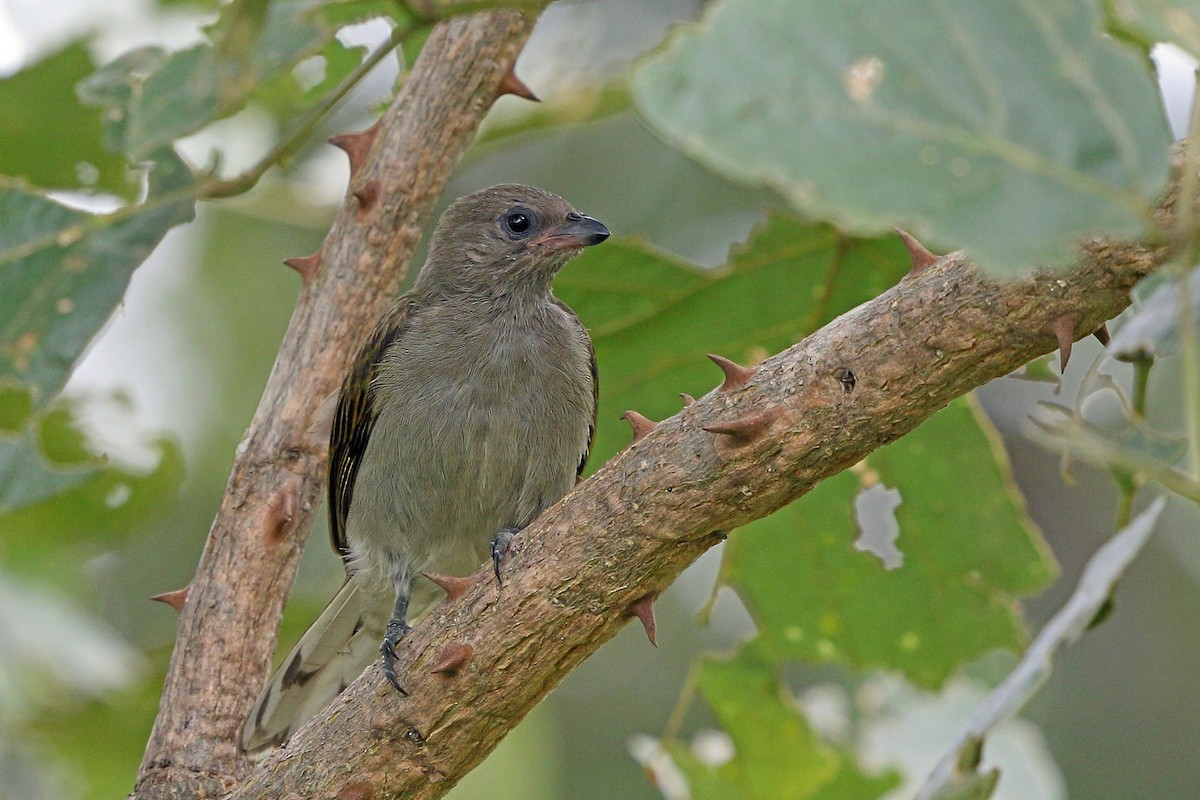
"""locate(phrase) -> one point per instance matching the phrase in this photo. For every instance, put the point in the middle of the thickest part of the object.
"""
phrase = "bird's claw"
(396, 630)
(500, 547)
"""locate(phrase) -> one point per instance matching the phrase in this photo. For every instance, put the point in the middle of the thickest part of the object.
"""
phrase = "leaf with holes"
(1012, 128)
(967, 557)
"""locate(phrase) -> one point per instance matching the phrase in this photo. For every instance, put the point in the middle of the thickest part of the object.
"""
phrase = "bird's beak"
(581, 232)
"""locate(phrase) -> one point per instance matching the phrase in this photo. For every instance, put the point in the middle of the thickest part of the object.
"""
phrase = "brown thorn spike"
(643, 609)
(174, 599)
(452, 659)
(922, 259)
(283, 513)
(307, 266)
(744, 429)
(1101, 334)
(511, 84)
(687, 399)
(357, 145)
(736, 376)
(357, 791)
(1063, 329)
(454, 586)
(641, 425)
(366, 195)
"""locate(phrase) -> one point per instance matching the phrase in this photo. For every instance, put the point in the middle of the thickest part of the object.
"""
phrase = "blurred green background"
(173, 380)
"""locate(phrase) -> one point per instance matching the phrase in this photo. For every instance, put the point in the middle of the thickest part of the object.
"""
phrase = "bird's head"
(504, 239)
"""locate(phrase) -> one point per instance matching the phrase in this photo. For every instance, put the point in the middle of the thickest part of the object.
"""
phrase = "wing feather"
(355, 416)
(583, 333)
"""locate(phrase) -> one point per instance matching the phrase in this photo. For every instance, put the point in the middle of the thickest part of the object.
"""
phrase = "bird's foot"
(500, 547)
(397, 629)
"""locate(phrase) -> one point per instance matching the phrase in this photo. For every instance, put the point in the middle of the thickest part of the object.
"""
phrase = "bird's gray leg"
(397, 629)
(500, 547)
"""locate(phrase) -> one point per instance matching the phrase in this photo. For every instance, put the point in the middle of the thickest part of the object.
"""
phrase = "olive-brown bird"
(469, 411)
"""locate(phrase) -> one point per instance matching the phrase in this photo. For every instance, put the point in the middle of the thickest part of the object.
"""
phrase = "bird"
(470, 410)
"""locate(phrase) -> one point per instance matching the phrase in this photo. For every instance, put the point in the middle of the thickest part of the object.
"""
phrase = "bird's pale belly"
(455, 478)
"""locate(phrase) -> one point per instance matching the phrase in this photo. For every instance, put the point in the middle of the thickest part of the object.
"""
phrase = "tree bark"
(478, 664)
(229, 622)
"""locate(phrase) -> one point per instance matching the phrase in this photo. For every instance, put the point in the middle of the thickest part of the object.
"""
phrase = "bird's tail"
(331, 653)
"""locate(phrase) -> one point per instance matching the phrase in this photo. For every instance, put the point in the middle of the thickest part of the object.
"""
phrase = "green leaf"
(15, 408)
(47, 137)
(966, 560)
(51, 478)
(1157, 21)
(1152, 328)
(29, 474)
(62, 272)
(653, 316)
(1126, 445)
(152, 97)
(777, 754)
(1012, 128)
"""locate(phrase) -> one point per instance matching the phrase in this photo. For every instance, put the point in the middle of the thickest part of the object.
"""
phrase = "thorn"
(687, 399)
(283, 513)
(511, 84)
(641, 425)
(357, 145)
(1101, 334)
(357, 791)
(307, 266)
(452, 659)
(366, 195)
(744, 429)
(454, 586)
(736, 376)
(1063, 329)
(643, 609)
(922, 259)
(174, 599)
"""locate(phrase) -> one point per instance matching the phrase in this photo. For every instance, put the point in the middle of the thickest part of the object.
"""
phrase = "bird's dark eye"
(519, 222)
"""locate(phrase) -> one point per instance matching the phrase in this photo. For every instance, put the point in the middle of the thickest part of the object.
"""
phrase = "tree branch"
(735, 455)
(229, 622)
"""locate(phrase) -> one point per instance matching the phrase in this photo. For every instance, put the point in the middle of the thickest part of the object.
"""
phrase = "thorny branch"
(230, 614)
(763, 438)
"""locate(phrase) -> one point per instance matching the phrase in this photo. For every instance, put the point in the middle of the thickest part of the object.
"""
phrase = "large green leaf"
(63, 271)
(653, 317)
(968, 555)
(1012, 128)
(47, 137)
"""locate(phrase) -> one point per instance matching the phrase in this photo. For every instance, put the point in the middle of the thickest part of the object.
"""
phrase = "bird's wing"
(355, 416)
(583, 333)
